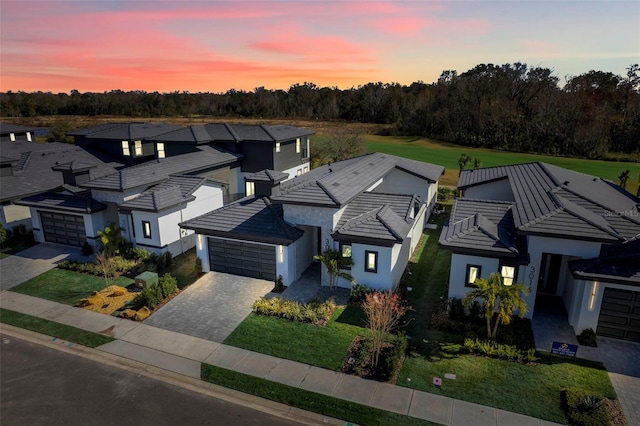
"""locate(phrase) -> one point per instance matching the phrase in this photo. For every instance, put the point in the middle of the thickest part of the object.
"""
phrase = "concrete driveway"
(29, 263)
(212, 307)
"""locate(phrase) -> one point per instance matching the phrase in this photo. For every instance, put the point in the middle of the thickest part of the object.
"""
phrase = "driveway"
(29, 263)
(212, 307)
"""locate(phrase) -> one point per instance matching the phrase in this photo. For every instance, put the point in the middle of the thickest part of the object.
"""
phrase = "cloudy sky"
(213, 46)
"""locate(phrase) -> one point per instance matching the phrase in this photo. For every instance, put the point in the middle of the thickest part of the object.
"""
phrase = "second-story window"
(298, 146)
(138, 148)
(125, 149)
(277, 146)
(250, 188)
(160, 149)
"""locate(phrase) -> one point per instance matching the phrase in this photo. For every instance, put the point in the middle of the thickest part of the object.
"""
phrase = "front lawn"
(323, 347)
(63, 286)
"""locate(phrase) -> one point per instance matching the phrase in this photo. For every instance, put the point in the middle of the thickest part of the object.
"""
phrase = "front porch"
(309, 286)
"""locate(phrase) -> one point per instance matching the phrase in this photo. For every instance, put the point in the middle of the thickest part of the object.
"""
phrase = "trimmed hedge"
(584, 409)
(494, 349)
(121, 265)
(314, 312)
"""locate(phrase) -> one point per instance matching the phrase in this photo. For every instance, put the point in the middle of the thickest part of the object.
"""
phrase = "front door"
(549, 273)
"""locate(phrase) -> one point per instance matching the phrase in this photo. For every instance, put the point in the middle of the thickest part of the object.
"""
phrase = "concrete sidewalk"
(183, 354)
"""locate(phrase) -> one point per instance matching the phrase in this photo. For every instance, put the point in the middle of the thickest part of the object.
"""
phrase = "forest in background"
(510, 107)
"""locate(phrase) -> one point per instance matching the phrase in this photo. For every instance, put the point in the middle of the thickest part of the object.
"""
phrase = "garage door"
(63, 228)
(620, 314)
(242, 258)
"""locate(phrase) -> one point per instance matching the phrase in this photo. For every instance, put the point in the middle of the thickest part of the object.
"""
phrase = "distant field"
(447, 154)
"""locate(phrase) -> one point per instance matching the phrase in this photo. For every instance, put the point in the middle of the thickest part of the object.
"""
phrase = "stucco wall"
(383, 278)
(498, 190)
(12, 215)
(399, 182)
(458, 272)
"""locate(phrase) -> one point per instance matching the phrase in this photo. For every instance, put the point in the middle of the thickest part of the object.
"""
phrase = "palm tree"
(624, 177)
(335, 263)
(463, 160)
(111, 239)
(500, 301)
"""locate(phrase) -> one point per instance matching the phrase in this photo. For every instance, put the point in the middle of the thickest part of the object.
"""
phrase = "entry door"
(549, 273)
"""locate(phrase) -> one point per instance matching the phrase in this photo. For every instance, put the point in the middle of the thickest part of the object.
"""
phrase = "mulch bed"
(616, 415)
(366, 370)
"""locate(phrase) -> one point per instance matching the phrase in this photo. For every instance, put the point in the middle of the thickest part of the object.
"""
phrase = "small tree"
(333, 260)
(111, 239)
(624, 177)
(108, 268)
(476, 163)
(383, 311)
(3, 235)
(463, 160)
(499, 299)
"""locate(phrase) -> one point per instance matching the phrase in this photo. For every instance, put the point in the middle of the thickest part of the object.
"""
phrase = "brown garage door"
(63, 228)
(242, 258)
(620, 314)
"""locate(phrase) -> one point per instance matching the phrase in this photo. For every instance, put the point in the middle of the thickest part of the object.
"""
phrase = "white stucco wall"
(202, 251)
(498, 190)
(38, 233)
(458, 272)
(399, 182)
(12, 216)
(293, 171)
(383, 278)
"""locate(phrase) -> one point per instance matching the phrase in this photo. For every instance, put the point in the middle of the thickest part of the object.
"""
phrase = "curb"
(195, 385)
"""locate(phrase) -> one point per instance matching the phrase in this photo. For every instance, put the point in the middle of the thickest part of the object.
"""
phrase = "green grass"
(68, 287)
(446, 154)
(304, 399)
(533, 390)
(3, 255)
(54, 329)
(323, 347)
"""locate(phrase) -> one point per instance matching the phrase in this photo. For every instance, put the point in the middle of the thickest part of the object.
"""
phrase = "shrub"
(494, 349)
(313, 312)
(456, 309)
(197, 268)
(278, 285)
(87, 249)
(587, 338)
(166, 259)
(358, 293)
(168, 284)
(392, 362)
(3, 235)
(148, 297)
(583, 408)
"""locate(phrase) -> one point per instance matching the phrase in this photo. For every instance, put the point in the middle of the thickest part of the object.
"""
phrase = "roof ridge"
(380, 215)
(575, 210)
(326, 191)
(359, 219)
(233, 132)
(263, 127)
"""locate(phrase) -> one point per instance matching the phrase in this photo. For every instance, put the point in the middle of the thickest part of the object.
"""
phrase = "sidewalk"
(183, 354)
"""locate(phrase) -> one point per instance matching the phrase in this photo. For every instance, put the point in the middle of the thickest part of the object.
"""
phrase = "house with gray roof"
(372, 208)
(14, 132)
(555, 231)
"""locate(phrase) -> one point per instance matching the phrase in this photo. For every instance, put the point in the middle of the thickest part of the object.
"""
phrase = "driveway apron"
(29, 263)
(212, 307)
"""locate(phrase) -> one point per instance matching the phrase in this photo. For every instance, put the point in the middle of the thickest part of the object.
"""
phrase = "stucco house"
(561, 233)
(372, 208)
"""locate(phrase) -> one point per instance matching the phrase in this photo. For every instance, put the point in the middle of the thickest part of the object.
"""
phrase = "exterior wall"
(293, 171)
(399, 182)
(418, 225)
(303, 251)
(92, 224)
(258, 156)
(288, 158)
(114, 196)
(458, 272)
(12, 215)
(383, 279)
(498, 190)
(17, 137)
(202, 251)
(38, 233)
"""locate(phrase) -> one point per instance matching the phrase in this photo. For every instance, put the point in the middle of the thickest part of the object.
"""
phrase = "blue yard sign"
(560, 348)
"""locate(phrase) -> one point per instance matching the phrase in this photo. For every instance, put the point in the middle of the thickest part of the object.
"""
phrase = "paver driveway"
(212, 307)
(31, 262)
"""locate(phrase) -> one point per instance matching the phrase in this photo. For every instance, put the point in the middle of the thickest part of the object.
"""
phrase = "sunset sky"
(214, 46)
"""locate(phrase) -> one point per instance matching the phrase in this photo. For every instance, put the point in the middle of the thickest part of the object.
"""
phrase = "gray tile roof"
(268, 176)
(155, 171)
(74, 166)
(249, 219)
(79, 202)
(482, 226)
(171, 192)
(338, 183)
(124, 131)
(6, 128)
(376, 216)
(32, 171)
(616, 264)
(222, 132)
(550, 200)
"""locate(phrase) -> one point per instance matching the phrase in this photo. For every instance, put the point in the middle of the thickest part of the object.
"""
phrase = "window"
(125, 148)
(298, 172)
(160, 149)
(277, 146)
(371, 261)
(138, 148)
(305, 169)
(305, 153)
(29, 136)
(12, 137)
(473, 272)
(146, 229)
(298, 146)
(345, 249)
(249, 188)
(508, 273)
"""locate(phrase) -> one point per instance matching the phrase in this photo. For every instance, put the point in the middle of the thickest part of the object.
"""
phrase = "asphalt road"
(40, 385)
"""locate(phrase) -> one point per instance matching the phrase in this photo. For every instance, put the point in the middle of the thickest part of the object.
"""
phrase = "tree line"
(512, 107)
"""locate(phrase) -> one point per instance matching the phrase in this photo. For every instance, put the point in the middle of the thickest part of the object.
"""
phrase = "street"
(40, 385)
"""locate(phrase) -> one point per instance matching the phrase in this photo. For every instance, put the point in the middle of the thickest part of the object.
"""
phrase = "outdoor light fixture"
(200, 242)
(594, 291)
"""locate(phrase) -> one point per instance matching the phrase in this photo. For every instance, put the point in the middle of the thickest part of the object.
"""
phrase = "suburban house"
(561, 233)
(372, 208)
(164, 183)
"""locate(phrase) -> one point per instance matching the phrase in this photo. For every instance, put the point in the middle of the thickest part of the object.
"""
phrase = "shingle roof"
(171, 192)
(124, 131)
(156, 171)
(480, 225)
(337, 184)
(32, 171)
(554, 201)
(80, 202)
(376, 216)
(249, 219)
(617, 264)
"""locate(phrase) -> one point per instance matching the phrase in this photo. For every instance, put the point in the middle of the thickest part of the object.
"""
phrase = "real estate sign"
(565, 349)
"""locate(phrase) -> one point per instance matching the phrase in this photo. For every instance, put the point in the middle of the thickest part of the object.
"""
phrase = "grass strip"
(50, 328)
(304, 399)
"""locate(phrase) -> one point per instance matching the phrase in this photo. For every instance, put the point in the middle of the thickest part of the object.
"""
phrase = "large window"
(146, 229)
(125, 148)
(138, 148)
(345, 249)
(298, 146)
(473, 272)
(509, 273)
(371, 261)
(160, 149)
